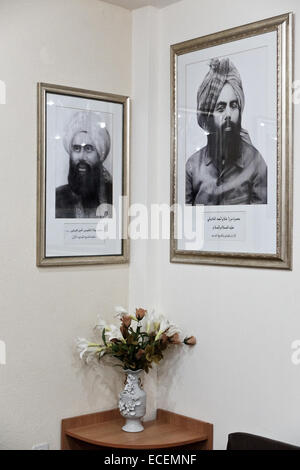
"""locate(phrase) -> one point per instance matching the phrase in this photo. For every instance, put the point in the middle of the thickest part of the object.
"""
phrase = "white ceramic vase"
(132, 403)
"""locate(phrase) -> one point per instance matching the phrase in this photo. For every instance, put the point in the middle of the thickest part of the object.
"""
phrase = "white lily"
(152, 322)
(120, 312)
(172, 330)
(112, 332)
(102, 352)
(156, 324)
(101, 324)
(82, 346)
(94, 352)
(163, 326)
(86, 348)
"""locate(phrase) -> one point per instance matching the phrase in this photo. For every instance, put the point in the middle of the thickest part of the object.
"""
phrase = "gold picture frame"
(53, 247)
(275, 238)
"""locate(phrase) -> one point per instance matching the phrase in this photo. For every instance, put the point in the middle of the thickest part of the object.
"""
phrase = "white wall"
(145, 100)
(240, 376)
(85, 44)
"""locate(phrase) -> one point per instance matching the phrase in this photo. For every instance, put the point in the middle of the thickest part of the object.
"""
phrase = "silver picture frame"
(81, 258)
(281, 258)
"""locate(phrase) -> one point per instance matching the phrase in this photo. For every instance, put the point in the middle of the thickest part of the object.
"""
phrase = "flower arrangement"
(138, 342)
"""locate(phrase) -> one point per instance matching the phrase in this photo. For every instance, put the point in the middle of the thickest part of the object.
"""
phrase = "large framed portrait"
(231, 147)
(83, 174)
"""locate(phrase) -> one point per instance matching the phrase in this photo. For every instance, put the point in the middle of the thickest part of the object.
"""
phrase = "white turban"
(93, 124)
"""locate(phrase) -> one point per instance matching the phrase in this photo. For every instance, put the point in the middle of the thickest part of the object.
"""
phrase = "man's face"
(83, 153)
(227, 112)
(84, 171)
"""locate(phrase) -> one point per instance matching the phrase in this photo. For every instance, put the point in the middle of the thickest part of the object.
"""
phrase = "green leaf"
(103, 337)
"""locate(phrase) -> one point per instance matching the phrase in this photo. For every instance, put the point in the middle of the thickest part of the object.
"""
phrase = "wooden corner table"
(103, 431)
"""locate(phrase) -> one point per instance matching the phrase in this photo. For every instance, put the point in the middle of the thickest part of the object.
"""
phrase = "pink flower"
(191, 341)
(124, 331)
(140, 313)
(164, 338)
(175, 339)
(126, 320)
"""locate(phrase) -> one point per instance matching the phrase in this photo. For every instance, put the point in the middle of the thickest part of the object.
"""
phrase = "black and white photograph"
(229, 170)
(83, 176)
(230, 140)
(87, 144)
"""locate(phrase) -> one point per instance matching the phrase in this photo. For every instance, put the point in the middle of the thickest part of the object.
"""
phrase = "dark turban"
(221, 71)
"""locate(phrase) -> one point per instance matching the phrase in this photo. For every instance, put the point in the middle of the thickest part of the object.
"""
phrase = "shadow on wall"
(101, 381)
(170, 370)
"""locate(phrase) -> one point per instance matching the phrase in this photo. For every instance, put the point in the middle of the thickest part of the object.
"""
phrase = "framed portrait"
(231, 147)
(83, 177)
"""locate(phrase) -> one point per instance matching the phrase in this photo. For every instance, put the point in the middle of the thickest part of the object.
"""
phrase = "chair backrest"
(244, 441)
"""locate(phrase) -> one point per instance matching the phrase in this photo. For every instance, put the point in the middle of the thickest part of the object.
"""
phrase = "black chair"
(244, 441)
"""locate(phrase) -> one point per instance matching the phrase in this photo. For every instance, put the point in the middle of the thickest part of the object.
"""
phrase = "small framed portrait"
(231, 147)
(83, 174)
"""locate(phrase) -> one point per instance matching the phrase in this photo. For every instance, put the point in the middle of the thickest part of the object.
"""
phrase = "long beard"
(85, 184)
(224, 144)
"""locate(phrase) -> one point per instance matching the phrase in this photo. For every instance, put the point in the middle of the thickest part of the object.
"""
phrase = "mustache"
(229, 126)
(84, 178)
(82, 164)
